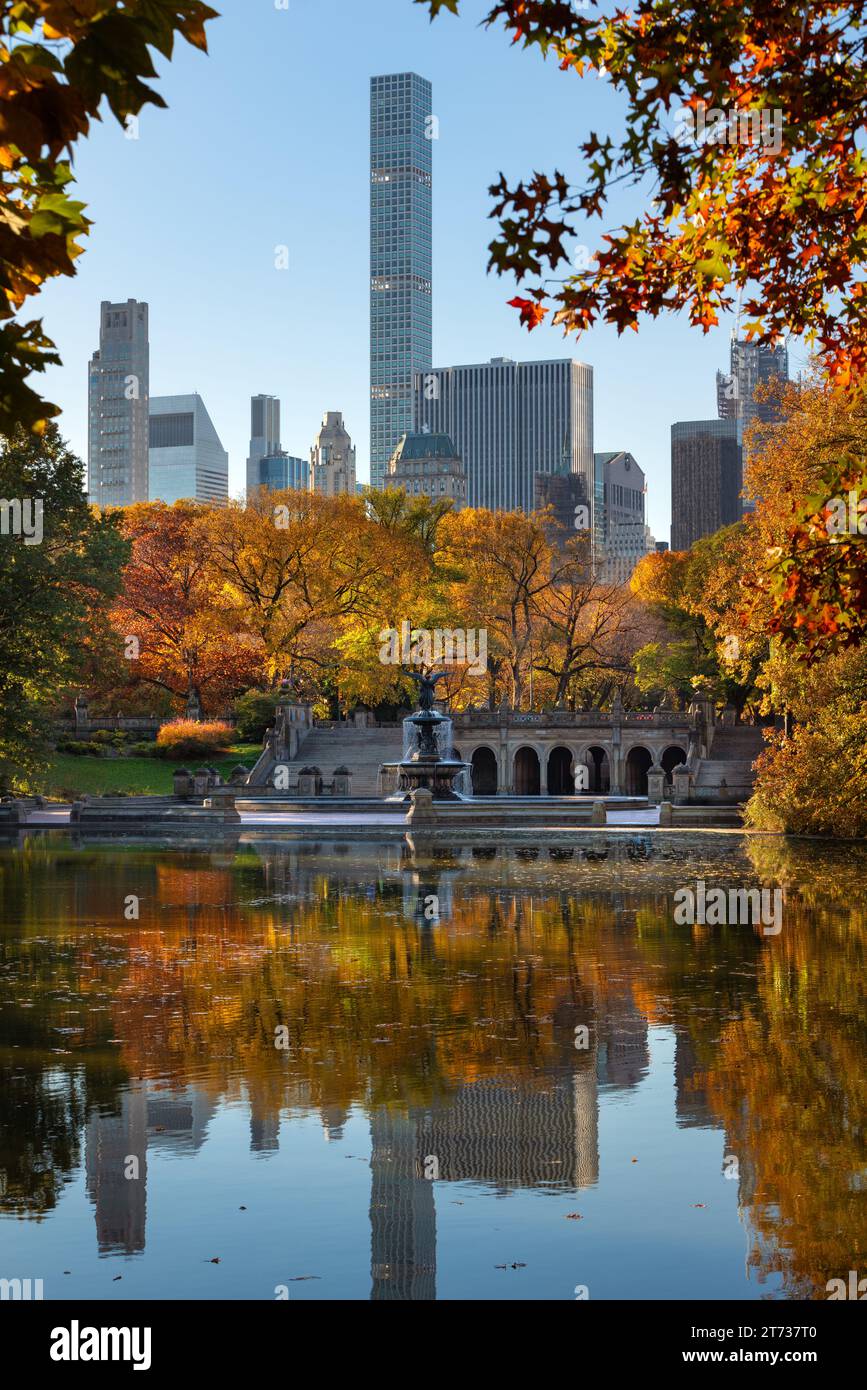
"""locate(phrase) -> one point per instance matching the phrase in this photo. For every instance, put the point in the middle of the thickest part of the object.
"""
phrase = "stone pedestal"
(182, 784)
(201, 782)
(666, 816)
(222, 800)
(599, 816)
(341, 784)
(422, 812)
(655, 785)
(310, 782)
(681, 778)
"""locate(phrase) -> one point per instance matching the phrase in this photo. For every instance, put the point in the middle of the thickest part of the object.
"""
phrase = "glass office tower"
(401, 134)
(186, 458)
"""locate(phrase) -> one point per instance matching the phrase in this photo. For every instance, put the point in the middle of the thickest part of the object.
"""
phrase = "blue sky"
(265, 143)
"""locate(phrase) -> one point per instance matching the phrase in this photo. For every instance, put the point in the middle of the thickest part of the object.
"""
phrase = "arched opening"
(671, 758)
(561, 780)
(638, 764)
(527, 780)
(484, 772)
(599, 769)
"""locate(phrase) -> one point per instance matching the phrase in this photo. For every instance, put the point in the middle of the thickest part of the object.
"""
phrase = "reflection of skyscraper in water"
(402, 1215)
(623, 1055)
(178, 1120)
(333, 1119)
(175, 1120)
(264, 1129)
(119, 1200)
(505, 1133)
(517, 1133)
(691, 1103)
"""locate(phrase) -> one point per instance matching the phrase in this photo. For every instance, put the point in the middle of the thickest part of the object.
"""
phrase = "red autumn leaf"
(531, 314)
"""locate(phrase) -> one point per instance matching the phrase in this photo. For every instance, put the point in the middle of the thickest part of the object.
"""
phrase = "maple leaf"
(532, 314)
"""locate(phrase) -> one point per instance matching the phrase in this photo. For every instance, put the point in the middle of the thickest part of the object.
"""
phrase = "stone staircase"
(361, 750)
(733, 752)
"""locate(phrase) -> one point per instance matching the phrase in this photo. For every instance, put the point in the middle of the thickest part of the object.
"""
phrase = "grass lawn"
(67, 775)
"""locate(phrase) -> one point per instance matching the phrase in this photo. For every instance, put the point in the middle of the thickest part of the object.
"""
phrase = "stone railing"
(561, 718)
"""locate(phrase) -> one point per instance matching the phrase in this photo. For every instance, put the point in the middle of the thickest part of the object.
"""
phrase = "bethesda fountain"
(428, 763)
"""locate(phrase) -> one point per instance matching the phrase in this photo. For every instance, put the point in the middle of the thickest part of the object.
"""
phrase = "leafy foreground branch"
(744, 127)
(59, 60)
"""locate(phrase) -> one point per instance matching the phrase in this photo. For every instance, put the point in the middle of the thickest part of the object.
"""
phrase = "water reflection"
(481, 1006)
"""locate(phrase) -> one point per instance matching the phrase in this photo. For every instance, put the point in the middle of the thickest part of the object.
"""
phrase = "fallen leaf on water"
(116, 1278)
(699, 1204)
(300, 1278)
(574, 1216)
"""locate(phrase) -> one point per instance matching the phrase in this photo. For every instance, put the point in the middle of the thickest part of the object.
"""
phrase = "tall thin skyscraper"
(118, 407)
(402, 130)
(264, 436)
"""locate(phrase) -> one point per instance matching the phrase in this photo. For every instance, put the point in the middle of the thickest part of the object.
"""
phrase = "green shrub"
(184, 738)
(254, 713)
(145, 749)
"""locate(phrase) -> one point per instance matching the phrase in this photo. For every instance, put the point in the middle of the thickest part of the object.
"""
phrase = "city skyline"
(664, 373)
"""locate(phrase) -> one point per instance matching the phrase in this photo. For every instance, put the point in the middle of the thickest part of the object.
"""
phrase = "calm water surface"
(430, 1128)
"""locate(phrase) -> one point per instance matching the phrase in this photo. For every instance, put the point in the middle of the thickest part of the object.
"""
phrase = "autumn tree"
(743, 140)
(505, 562)
(703, 645)
(60, 62)
(585, 627)
(167, 613)
(309, 580)
(808, 475)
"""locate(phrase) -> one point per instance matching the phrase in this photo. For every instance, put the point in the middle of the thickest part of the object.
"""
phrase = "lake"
(260, 1068)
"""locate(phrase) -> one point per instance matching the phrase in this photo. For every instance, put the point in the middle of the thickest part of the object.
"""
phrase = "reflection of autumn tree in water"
(790, 1082)
(384, 1008)
(55, 1061)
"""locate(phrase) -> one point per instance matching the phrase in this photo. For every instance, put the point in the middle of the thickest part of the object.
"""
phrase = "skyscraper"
(264, 436)
(624, 525)
(186, 456)
(706, 479)
(751, 365)
(401, 133)
(332, 458)
(118, 391)
(510, 421)
(282, 472)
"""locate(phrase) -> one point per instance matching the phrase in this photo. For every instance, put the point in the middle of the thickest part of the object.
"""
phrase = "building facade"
(118, 398)
(429, 465)
(509, 421)
(706, 479)
(332, 458)
(750, 365)
(401, 267)
(280, 472)
(187, 459)
(264, 436)
(624, 525)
